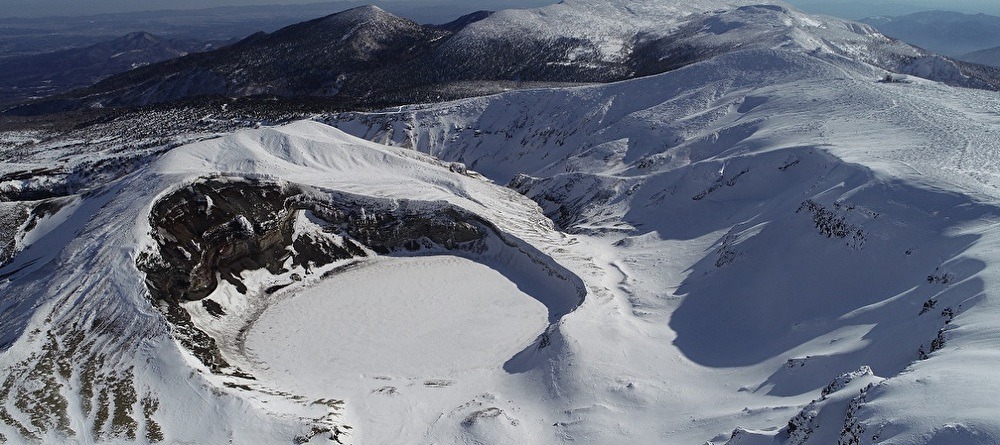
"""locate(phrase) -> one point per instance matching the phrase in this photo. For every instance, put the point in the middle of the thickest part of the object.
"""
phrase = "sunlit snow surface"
(423, 317)
(759, 237)
(720, 301)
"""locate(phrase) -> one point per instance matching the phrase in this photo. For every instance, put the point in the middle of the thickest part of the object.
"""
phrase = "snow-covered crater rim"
(225, 247)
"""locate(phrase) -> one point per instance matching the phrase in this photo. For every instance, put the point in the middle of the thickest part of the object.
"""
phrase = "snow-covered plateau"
(779, 244)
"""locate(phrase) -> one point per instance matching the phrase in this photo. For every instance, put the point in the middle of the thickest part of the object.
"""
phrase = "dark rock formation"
(218, 228)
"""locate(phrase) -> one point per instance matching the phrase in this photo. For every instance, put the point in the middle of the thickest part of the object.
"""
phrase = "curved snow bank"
(286, 192)
(761, 223)
(403, 317)
(224, 244)
(98, 360)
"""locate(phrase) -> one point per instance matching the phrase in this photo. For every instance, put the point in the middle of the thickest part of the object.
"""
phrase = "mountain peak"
(362, 13)
(361, 16)
(139, 36)
(135, 41)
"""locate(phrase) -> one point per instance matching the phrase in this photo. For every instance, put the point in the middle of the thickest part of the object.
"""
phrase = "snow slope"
(771, 246)
(651, 37)
(762, 223)
(188, 402)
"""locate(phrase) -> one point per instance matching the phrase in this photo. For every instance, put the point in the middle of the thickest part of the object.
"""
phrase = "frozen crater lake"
(409, 317)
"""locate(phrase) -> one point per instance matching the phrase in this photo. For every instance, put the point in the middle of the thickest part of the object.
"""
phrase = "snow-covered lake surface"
(400, 317)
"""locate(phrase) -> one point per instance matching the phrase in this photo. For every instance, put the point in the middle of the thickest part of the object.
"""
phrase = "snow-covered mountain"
(780, 242)
(366, 56)
(777, 217)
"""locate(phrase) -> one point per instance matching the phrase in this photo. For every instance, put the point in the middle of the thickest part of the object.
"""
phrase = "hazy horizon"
(852, 9)
(71, 8)
(856, 9)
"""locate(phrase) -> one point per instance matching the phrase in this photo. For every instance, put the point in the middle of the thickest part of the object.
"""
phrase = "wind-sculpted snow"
(764, 221)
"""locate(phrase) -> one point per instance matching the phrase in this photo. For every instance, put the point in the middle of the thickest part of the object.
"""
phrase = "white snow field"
(423, 317)
(771, 247)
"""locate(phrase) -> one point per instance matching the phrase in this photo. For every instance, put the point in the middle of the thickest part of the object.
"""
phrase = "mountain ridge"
(570, 42)
(56, 72)
(989, 56)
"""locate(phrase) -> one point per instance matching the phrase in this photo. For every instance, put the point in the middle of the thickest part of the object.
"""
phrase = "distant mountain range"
(21, 36)
(55, 72)
(368, 57)
(946, 32)
(859, 9)
(34, 35)
(990, 56)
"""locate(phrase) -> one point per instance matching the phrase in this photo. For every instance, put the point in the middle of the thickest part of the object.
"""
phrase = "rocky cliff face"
(218, 229)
